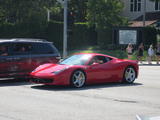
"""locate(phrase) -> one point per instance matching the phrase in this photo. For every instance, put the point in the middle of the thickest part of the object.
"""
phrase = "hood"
(51, 68)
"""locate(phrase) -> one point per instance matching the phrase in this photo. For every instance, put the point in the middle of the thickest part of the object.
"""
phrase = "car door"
(21, 60)
(100, 71)
(5, 60)
(9, 62)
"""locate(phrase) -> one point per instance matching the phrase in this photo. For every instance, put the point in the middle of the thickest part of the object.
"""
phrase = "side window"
(99, 60)
(21, 48)
(4, 50)
(42, 48)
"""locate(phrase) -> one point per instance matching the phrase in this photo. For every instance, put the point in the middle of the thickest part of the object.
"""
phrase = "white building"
(134, 10)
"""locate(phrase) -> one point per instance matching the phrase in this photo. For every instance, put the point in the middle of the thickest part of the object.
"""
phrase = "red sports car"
(86, 68)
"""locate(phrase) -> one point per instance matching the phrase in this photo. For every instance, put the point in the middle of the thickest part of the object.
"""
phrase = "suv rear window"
(43, 48)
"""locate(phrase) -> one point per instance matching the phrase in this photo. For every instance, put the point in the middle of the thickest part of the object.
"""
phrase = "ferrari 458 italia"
(86, 68)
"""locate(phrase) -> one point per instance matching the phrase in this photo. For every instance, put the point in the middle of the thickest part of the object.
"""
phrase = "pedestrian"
(140, 52)
(150, 54)
(129, 50)
(158, 53)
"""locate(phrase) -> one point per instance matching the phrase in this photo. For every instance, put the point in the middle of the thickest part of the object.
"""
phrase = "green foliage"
(94, 21)
(79, 9)
(54, 33)
(104, 38)
(81, 36)
(104, 14)
(6, 30)
(19, 11)
(78, 37)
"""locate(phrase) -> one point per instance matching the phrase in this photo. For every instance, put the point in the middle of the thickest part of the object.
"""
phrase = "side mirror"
(95, 64)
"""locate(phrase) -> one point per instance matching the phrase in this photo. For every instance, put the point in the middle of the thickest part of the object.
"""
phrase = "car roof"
(20, 40)
(96, 54)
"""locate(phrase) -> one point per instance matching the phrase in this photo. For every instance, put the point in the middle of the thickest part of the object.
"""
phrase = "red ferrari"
(86, 68)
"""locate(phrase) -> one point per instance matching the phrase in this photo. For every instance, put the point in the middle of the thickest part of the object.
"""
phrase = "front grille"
(38, 80)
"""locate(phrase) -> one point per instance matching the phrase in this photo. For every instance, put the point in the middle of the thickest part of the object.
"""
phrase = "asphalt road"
(25, 101)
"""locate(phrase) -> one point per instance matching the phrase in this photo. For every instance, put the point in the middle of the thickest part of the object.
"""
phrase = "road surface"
(26, 101)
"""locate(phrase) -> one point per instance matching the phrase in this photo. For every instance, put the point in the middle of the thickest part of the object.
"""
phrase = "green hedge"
(79, 35)
(23, 30)
(54, 33)
(7, 30)
(150, 36)
(104, 38)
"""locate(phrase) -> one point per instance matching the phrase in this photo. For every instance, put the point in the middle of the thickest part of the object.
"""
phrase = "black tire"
(129, 75)
(78, 79)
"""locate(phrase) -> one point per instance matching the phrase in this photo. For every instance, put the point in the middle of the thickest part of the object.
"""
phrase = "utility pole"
(65, 29)
(65, 13)
(144, 13)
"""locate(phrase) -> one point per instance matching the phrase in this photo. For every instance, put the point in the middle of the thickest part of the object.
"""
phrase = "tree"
(79, 9)
(104, 14)
(18, 11)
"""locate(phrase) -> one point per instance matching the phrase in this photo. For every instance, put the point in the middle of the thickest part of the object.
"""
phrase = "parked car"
(18, 57)
(86, 68)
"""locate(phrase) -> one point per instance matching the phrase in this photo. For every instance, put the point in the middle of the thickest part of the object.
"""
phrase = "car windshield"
(76, 60)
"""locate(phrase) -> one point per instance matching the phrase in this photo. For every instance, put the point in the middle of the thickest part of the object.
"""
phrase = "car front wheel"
(129, 75)
(78, 79)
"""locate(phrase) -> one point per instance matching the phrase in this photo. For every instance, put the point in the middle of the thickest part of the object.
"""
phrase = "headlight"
(59, 71)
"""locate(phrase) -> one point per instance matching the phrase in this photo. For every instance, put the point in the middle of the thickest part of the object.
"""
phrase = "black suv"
(18, 57)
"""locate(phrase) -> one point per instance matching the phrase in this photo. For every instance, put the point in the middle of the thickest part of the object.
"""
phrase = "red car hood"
(50, 68)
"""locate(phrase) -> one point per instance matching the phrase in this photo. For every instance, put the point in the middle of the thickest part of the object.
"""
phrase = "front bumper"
(50, 79)
(39, 80)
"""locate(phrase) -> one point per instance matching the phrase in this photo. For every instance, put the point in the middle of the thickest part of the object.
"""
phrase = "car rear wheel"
(78, 79)
(129, 75)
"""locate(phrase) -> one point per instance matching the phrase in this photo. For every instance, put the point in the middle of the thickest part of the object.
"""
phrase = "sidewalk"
(154, 63)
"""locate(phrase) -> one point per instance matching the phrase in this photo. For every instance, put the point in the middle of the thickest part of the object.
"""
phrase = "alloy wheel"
(130, 75)
(78, 79)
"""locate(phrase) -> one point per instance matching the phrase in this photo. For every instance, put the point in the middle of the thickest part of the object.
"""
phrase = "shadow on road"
(13, 82)
(95, 86)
